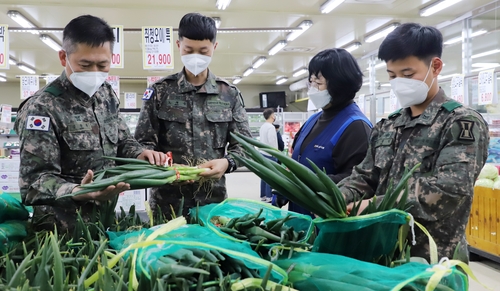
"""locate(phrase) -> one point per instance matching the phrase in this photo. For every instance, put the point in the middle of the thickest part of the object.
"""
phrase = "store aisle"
(247, 185)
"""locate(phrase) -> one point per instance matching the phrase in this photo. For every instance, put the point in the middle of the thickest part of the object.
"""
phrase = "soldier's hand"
(104, 195)
(153, 157)
(362, 207)
(217, 168)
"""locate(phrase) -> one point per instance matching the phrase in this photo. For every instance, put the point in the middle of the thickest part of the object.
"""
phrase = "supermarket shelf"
(484, 254)
(9, 135)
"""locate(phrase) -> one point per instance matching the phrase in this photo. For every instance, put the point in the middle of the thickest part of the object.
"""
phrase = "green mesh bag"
(11, 232)
(323, 272)
(366, 238)
(237, 207)
(11, 208)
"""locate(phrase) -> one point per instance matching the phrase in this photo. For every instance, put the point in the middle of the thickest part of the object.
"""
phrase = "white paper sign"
(117, 56)
(157, 48)
(153, 79)
(114, 81)
(486, 87)
(394, 101)
(131, 197)
(458, 88)
(50, 79)
(6, 113)
(29, 85)
(361, 103)
(130, 99)
(4, 46)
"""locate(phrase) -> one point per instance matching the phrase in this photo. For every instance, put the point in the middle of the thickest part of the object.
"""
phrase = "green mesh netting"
(366, 238)
(11, 232)
(237, 207)
(11, 208)
(192, 236)
(323, 272)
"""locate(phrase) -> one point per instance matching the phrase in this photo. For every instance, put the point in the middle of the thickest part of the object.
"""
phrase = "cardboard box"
(9, 177)
(131, 197)
(8, 165)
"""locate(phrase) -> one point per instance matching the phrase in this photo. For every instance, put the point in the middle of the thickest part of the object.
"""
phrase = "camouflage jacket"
(451, 143)
(194, 124)
(63, 133)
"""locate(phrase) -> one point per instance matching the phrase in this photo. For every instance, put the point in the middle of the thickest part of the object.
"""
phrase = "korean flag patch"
(41, 123)
(147, 94)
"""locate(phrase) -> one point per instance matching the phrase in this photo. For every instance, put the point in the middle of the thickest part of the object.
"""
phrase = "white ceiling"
(349, 22)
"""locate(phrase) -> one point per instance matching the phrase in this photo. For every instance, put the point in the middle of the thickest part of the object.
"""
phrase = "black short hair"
(268, 112)
(412, 39)
(341, 71)
(197, 27)
(276, 126)
(87, 29)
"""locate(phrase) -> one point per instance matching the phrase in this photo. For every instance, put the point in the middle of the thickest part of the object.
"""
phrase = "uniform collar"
(427, 117)
(72, 91)
(210, 86)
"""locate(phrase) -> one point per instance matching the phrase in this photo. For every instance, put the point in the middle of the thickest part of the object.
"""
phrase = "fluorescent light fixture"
(277, 47)
(281, 80)
(377, 66)
(365, 84)
(300, 72)
(459, 38)
(386, 85)
(236, 80)
(352, 47)
(373, 36)
(12, 62)
(492, 52)
(485, 68)
(446, 76)
(247, 72)
(20, 19)
(50, 42)
(304, 25)
(26, 68)
(3, 79)
(329, 5)
(222, 4)
(217, 21)
(437, 6)
(259, 62)
(485, 65)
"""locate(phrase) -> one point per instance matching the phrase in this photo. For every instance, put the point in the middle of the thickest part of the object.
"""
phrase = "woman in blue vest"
(336, 138)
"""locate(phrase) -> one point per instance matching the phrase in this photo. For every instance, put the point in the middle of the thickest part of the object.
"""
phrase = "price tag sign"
(4, 46)
(114, 81)
(394, 101)
(153, 79)
(361, 103)
(458, 88)
(485, 87)
(117, 56)
(50, 79)
(29, 85)
(157, 48)
(130, 99)
(6, 113)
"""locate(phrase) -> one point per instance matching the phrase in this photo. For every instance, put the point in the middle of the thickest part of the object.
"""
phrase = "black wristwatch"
(231, 167)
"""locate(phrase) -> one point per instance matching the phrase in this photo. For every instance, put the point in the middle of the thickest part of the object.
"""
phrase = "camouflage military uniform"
(194, 124)
(63, 133)
(451, 142)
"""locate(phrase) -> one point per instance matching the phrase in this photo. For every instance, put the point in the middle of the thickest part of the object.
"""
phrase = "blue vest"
(321, 148)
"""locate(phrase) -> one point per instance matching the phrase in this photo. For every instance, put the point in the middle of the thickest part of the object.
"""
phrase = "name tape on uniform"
(35, 122)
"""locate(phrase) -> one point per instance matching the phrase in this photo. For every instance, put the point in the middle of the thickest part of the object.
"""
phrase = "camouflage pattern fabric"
(451, 142)
(194, 124)
(63, 132)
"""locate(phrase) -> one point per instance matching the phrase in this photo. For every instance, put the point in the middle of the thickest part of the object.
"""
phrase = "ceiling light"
(299, 85)
(484, 68)
(300, 72)
(12, 62)
(217, 21)
(381, 33)
(3, 79)
(446, 76)
(21, 20)
(485, 65)
(437, 6)
(365, 84)
(304, 25)
(329, 5)
(281, 80)
(26, 68)
(459, 38)
(353, 47)
(222, 4)
(495, 51)
(277, 47)
(50, 42)
(236, 80)
(259, 62)
(247, 72)
(386, 85)
(377, 66)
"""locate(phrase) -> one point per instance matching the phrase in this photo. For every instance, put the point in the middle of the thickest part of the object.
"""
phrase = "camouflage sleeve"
(441, 189)
(128, 147)
(146, 132)
(40, 177)
(239, 124)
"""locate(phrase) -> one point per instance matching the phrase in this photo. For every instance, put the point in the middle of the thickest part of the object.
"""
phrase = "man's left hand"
(153, 157)
(217, 168)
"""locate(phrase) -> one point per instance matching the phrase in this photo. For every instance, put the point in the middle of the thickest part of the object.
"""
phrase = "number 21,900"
(159, 59)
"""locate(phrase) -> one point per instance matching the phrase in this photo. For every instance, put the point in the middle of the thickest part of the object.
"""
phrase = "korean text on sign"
(4, 47)
(485, 88)
(117, 56)
(29, 85)
(157, 48)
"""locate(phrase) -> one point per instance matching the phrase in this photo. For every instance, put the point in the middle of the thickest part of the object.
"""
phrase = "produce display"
(488, 177)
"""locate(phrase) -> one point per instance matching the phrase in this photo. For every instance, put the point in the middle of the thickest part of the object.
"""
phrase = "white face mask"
(196, 63)
(411, 92)
(319, 98)
(87, 82)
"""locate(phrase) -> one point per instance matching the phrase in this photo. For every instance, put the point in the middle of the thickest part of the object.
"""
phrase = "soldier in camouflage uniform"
(191, 114)
(67, 127)
(448, 139)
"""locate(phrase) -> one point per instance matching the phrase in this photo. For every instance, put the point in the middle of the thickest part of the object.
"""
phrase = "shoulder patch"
(451, 105)
(466, 127)
(148, 93)
(53, 90)
(395, 113)
(41, 123)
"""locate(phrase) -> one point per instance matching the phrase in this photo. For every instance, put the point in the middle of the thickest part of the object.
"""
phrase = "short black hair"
(412, 39)
(197, 27)
(276, 126)
(268, 112)
(341, 71)
(87, 29)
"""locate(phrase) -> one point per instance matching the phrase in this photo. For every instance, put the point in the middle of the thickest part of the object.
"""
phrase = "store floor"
(247, 185)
